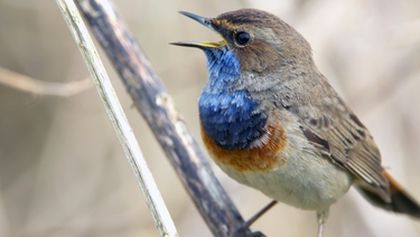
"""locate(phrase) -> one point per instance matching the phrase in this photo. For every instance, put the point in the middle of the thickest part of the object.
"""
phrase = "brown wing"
(333, 128)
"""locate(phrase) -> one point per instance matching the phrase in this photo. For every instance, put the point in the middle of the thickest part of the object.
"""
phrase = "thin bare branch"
(117, 116)
(27, 84)
(152, 101)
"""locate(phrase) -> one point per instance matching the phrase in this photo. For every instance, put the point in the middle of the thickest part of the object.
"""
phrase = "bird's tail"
(401, 201)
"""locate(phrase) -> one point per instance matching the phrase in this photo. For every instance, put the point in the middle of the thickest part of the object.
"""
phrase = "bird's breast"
(238, 133)
(262, 157)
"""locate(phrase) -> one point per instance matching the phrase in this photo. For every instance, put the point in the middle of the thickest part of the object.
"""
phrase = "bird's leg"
(321, 217)
(251, 220)
(257, 215)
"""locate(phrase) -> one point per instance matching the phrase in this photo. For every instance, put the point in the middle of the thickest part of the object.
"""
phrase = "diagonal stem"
(117, 116)
(155, 105)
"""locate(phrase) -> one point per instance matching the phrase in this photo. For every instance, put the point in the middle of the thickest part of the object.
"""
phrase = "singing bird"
(272, 121)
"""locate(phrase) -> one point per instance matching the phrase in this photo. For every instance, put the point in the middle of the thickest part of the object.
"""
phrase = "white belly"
(305, 181)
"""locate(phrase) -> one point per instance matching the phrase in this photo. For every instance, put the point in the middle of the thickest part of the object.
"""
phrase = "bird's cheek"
(257, 57)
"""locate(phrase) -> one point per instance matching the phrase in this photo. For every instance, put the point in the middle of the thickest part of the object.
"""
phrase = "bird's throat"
(229, 116)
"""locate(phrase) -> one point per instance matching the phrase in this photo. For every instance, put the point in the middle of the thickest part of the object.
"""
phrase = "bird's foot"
(243, 231)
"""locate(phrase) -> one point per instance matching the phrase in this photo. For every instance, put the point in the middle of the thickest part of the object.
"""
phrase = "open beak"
(202, 45)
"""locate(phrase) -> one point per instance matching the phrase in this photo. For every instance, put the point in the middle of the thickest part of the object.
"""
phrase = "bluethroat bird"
(272, 121)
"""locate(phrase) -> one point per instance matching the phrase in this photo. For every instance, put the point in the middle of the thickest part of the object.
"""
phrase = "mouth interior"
(202, 45)
(210, 44)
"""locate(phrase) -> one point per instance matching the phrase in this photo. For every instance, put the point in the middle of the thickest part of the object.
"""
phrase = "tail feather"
(400, 201)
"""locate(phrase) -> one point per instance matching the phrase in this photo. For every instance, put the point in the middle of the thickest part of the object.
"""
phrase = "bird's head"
(259, 40)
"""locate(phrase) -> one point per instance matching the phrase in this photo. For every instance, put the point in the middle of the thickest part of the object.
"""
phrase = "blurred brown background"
(62, 171)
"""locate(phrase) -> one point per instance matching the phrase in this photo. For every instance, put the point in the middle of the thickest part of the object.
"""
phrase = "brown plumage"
(325, 119)
(328, 148)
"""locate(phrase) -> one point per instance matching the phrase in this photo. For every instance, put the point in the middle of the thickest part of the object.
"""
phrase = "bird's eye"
(242, 38)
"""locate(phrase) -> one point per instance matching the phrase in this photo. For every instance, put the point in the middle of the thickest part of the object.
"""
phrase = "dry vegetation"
(61, 167)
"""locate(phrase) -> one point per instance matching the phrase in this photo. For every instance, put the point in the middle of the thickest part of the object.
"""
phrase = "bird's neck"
(229, 116)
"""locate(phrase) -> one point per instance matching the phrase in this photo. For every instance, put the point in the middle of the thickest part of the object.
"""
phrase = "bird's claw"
(243, 231)
(257, 234)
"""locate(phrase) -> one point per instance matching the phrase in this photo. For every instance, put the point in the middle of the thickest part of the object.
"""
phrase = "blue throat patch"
(228, 116)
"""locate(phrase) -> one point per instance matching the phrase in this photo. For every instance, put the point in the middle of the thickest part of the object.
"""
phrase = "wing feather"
(338, 134)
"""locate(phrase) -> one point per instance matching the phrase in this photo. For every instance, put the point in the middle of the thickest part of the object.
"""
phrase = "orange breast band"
(262, 156)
